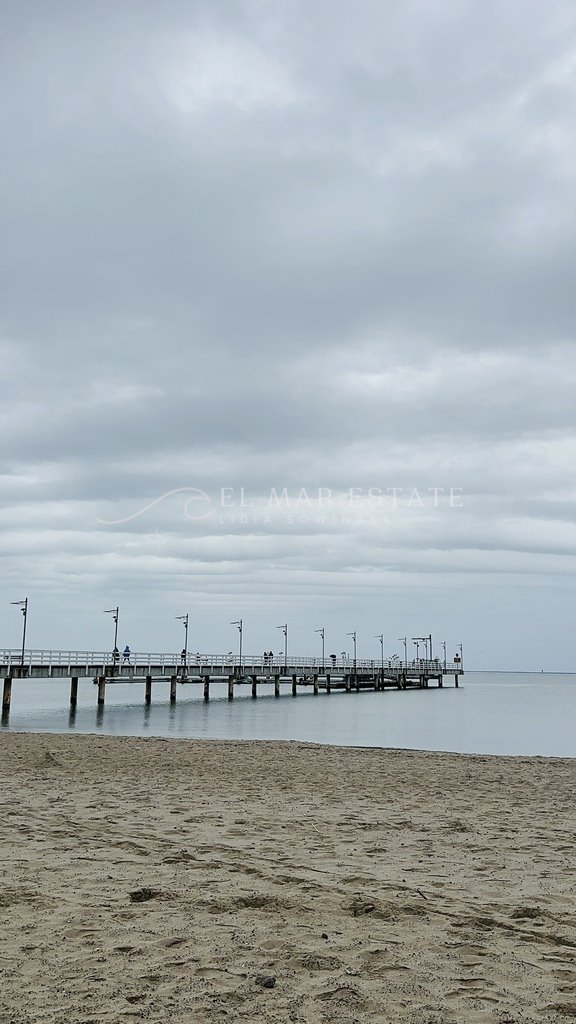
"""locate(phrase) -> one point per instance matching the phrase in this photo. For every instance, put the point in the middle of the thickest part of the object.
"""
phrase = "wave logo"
(197, 506)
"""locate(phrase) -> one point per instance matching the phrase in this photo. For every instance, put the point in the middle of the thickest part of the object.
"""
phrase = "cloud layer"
(253, 249)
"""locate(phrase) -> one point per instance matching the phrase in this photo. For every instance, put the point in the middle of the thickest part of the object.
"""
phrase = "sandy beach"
(197, 881)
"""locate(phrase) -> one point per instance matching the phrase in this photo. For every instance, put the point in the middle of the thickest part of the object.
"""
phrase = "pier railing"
(206, 663)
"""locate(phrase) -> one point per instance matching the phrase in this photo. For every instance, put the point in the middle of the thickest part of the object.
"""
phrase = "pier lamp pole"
(284, 629)
(184, 619)
(461, 656)
(430, 643)
(353, 635)
(240, 630)
(420, 640)
(380, 637)
(23, 605)
(114, 613)
(321, 631)
(404, 640)
(115, 655)
(444, 649)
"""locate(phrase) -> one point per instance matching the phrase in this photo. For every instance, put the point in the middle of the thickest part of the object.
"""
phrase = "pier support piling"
(148, 690)
(315, 682)
(206, 687)
(230, 687)
(101, 689)
(254, 687)
(456, 680)
(328, 687)
(7, 694)
(73, 691)
(293, 685)
(276, 686)
(173, 681)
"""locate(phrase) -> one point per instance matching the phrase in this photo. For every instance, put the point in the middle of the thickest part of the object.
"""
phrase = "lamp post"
(461, 656)
(23, 606)
(284, 629)
(353, 635)
(420, 640)
(380, 637)
(430, 643)
(115, 655)
(444, 649)
(404, 640)
(184, 619)
(322, 632)
(240, 630)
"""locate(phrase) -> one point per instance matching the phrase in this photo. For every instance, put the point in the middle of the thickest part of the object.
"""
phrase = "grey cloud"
(253, 245)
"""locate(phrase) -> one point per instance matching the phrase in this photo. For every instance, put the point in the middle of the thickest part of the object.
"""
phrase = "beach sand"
(165, 881)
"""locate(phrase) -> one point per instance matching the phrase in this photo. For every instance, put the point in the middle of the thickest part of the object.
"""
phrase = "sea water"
(490, 713)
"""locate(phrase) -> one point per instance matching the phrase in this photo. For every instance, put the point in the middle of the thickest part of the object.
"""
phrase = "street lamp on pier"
(444, 649)
(353, 635)
(240, 630)
(23, 606)
(322, 632)
(184, 619)
(380, 637)
(284, 629)
(420, 640)
(404, 640)
(114, 612)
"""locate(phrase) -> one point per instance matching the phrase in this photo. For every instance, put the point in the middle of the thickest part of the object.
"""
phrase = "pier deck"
(201, 670)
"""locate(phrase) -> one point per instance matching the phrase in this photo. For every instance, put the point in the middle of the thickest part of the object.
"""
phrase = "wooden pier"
(307, 674)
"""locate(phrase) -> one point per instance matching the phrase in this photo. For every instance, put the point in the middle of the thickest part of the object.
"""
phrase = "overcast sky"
(320, 251)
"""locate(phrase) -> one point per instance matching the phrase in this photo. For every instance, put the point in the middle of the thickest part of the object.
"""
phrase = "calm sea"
(491, 713)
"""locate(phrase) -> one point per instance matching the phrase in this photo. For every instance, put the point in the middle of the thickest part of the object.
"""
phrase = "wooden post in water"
(328, 686)
(347, 682)
(315, 681)
(276, 686)
(230, 687)
(206, 687)
(148, 690)
(173, 681)
(254, 688)
(7, 694)
(456, 680)
(73, 691)
(294, 685)
(101, 689)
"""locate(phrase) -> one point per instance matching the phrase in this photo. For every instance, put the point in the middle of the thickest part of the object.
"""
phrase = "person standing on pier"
(126, 655)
